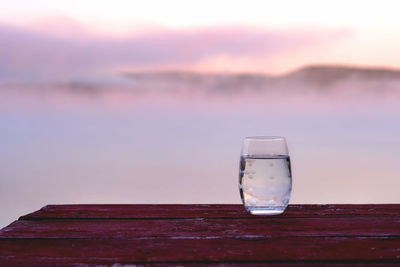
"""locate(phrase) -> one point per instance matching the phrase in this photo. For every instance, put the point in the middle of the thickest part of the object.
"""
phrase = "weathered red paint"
(203, 234)
(204, 211)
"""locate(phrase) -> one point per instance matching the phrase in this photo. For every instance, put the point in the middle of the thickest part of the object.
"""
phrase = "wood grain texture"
(203, 250)
(204, 211)
(196, 235)
(204, 228)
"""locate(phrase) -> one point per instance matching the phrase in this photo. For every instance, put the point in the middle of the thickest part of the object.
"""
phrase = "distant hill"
(314, 76)
(328, 75)
(316, 80)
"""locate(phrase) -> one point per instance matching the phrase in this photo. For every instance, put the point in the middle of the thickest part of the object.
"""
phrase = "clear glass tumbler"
(265, 177)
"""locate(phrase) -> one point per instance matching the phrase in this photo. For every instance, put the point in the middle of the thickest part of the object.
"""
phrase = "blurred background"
(149, 101)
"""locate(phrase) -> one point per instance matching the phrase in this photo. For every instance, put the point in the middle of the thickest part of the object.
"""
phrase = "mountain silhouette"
(313, 80)
(328, 75)
(320, 77)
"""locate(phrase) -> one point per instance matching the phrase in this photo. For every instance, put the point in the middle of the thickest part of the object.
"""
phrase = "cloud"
(31, 53)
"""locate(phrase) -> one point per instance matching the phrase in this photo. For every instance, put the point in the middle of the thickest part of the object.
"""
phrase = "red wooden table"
(203, 234)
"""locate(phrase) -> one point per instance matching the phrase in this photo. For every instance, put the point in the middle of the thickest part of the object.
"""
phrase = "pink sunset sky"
(222, 36)
(75, 130)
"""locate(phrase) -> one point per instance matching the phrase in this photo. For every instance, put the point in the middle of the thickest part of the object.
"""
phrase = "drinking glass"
(265, 177)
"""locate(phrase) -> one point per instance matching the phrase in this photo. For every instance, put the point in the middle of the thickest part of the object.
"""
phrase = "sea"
(176, 138)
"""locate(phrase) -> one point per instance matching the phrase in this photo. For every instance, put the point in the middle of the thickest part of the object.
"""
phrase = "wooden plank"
(223, 235)
(203, 228)
(289, 249)
(220, 264)
(229, 211)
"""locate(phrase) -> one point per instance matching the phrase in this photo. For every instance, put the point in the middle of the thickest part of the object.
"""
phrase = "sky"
(94, 145)
(70, 37)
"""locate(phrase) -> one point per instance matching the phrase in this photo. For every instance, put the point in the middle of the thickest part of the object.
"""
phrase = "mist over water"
(176, 137)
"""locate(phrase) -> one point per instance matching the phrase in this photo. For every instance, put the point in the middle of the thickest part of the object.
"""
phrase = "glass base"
(265, 210)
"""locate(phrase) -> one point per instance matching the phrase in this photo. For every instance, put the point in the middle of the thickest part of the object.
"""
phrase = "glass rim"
(264, 137)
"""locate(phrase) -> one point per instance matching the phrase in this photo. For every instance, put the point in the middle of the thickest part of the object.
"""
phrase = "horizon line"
(188, 70)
